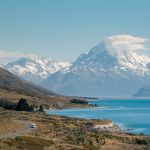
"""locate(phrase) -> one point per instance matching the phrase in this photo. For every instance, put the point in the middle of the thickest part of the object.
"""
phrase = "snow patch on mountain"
(116, 52)
(35, 69)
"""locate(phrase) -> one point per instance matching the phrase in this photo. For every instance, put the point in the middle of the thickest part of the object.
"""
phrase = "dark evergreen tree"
(23, 105)
(78, 101)
(31, 108)
(41, 108)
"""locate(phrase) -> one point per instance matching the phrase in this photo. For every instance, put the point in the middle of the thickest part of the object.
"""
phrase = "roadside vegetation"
(65, 133)
(22, 105)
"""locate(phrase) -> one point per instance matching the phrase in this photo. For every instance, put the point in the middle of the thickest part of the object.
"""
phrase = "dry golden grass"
(8, 125)
(64, 133)
(14, 96)
(28, 143)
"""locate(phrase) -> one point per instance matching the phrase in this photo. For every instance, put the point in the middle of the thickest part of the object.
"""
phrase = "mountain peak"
(118, 51)
(119, 45)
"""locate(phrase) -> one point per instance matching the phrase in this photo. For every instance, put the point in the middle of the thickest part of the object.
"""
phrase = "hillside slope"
(13, 88)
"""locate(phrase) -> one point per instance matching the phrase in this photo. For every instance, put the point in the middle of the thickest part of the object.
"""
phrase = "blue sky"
(63, 29)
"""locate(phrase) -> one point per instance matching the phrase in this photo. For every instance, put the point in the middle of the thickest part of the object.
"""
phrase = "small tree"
(32, 108)
(23, 105)
(41, 108)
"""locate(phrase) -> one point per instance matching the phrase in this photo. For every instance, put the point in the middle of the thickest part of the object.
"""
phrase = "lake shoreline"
(106, 107)
(61, 132)
(115, 129)
(121, 98)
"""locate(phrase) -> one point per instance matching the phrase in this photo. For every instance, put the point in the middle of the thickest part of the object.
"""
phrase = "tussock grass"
(28, 143)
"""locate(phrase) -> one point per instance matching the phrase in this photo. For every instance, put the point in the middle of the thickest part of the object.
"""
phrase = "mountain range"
(35, 69)
(113, 68)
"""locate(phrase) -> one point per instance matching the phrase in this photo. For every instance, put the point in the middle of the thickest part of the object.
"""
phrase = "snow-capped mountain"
(112, 68)
(35, 69)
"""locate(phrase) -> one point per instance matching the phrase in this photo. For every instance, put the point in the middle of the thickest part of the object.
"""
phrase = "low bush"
(143, 141)
(79, 101)
(28, 142)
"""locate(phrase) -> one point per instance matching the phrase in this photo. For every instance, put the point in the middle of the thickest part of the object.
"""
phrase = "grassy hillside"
(13, 88)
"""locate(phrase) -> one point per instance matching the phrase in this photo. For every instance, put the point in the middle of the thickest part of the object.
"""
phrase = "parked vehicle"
(33, 125)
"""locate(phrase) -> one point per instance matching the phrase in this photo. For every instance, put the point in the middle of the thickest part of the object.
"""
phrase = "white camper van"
(33, 125)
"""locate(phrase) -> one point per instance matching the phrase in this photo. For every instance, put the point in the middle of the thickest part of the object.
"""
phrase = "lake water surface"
(131, 114)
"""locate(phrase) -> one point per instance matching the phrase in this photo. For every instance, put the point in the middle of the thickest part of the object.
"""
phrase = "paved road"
(25, 129)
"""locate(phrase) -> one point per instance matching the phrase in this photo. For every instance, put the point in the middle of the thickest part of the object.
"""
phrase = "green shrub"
(79, 101)
(143, 141)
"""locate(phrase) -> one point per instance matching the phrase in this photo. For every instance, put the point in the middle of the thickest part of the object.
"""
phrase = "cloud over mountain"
(121, 44)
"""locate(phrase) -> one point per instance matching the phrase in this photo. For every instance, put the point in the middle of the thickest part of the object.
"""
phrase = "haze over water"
(131, 114)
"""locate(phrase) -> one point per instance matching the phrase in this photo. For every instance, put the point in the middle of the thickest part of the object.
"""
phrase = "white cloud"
(120, 44)
(8, 54)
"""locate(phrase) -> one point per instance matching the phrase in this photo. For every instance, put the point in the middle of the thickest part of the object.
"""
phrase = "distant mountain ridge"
(35, 69)
(143, 92)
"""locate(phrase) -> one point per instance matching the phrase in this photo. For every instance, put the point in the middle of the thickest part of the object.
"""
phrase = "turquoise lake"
(131, 114)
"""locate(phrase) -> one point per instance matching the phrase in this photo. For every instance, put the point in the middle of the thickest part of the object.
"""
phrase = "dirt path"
(25, 129)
